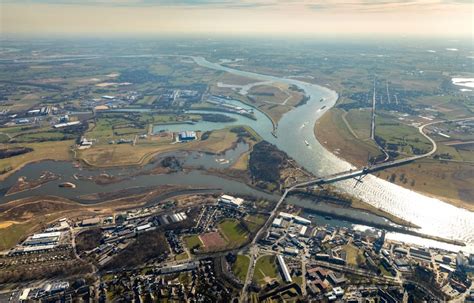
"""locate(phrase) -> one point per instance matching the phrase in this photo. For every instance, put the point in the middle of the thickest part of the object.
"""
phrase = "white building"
(286, 216)
(143, 228)
(301, 220)
(296, 219)
(303, 230)
(61, 125)
(284, 269)
(277, 222)
(291, 251)
(338, 291)
(24, 294)
(230, 201)
(46, 235)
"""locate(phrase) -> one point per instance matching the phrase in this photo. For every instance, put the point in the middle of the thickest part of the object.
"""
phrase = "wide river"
(435, 217)
(432, 215)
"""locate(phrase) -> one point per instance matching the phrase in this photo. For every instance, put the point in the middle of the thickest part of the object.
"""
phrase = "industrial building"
(186, 136)
(143, 228)
(291, 251)
(284, 269)
(179, 268)
(296, 219)
(277, 222)
(227, 200)
(90, 222)
(46, 235)
(61, 125)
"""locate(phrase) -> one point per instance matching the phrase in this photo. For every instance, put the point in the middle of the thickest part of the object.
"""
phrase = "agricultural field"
(334, 135)
(447, 180)
(399, 137)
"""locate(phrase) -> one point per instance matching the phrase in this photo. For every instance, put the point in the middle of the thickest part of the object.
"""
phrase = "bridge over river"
(373, 168)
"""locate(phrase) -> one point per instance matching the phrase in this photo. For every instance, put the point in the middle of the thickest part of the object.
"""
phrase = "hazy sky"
(399, 17)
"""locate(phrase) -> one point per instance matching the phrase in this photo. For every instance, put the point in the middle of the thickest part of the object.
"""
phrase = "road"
(253, 250)
(372, 123)
(367, 170)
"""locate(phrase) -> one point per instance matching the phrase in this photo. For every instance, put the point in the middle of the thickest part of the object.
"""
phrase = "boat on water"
(322, 99)
(306, 142)
(311, 216)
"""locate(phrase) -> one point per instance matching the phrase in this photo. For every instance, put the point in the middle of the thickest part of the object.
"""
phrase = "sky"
(238, 17)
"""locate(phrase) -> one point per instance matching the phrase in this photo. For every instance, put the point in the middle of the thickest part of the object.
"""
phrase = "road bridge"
(374, 168)
(350, 174)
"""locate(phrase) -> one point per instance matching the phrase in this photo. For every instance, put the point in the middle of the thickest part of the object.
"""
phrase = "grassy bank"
(22, 217)
(58, 151)
(449, 181)
(111, 155)
(335, 135)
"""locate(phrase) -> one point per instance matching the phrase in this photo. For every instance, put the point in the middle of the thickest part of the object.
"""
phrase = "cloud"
(144, 3)
(383, 5)
(314, 5)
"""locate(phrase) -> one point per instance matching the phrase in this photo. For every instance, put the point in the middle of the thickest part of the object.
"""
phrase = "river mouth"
(295, 136)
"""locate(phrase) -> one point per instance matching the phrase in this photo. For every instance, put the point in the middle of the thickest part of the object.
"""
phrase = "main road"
(253, 250)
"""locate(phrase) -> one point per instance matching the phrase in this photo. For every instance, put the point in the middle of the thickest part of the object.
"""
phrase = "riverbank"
(126, 155)
(448, 181)
(21, 217)
(333, 133)
(330, 196)
(41, 151)
(391, 228)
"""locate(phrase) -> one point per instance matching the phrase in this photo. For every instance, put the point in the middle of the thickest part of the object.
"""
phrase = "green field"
(11, 235)
(254, 222)
(148, 100)
(241, 266)
(182, 256)
(359, 121)
(265, 270)
(233, 231)
(192, 241)
(110, 127)
(407, 138)
(354, 255)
